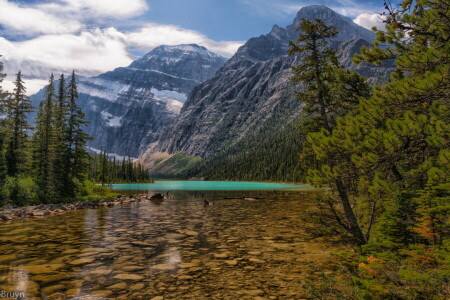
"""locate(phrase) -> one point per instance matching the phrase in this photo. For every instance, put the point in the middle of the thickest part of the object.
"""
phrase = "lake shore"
(9, 213)
(177, 249)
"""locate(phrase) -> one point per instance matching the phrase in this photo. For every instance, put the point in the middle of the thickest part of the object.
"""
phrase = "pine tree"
(398, 140)
(17, 126)
(328, 92)
(44, 141)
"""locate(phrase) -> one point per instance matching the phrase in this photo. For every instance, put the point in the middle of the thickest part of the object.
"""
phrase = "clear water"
(236, 248)
(206, 186)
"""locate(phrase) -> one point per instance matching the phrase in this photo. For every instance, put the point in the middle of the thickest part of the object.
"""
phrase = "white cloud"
(64, 16)
(59, 41)
(153, 35)
(95, 52)
(89, 53)
(34, 21)
(370, 20)
(32, 85)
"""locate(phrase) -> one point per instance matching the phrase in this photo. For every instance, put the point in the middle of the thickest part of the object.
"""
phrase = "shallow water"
(177, 248)
(206, 186)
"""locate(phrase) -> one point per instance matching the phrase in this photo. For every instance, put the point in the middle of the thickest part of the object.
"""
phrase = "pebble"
(256, 260)
(128, 277)
(118, 286)
(232, 262)
(137, 286)
(164, 267)
(221, 255)
(254, 292)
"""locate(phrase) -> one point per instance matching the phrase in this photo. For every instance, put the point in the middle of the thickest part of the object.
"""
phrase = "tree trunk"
(355, 229)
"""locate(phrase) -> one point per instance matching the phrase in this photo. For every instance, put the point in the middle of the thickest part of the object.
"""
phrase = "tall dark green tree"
(61, 115)
(328, 92)
(44, 142)
(327, 89)
(19, 105)
(75, 154)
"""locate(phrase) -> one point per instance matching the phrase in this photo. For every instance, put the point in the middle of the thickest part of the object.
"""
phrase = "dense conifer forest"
(49, 162)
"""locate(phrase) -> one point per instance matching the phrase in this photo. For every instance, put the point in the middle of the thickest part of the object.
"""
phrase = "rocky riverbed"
(9, 213)
(252, 248)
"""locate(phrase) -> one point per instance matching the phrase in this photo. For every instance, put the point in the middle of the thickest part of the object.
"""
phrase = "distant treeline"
(106, 169)
(269, 156)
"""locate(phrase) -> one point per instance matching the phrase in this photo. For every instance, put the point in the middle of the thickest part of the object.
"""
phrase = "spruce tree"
(44, 141)
(61, 107)
(18, 106)
(75, 152)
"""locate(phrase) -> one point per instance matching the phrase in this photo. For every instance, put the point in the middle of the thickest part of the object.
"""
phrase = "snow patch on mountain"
(111, 121)
(101, 88)
(166, 94)
(192, 48)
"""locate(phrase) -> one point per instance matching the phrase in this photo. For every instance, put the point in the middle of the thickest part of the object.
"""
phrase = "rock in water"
(157, 196)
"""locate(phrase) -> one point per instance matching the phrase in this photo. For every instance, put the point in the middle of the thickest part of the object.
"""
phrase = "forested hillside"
(49, 163)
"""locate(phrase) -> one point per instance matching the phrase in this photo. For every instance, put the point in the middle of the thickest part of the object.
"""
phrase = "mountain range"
(249, 99)
(129, 108)
(188, 112)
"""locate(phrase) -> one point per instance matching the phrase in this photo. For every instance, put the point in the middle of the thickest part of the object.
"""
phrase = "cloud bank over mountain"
(58, 36)
(44, 36)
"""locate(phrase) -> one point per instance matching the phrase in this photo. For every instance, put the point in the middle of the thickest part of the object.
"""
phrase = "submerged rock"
(125, 276)
(157, 196)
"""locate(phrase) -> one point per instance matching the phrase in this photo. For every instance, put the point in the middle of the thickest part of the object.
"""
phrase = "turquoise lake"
(206, 186)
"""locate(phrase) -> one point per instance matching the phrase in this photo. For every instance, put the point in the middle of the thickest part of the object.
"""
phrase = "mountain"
(276, 43)
(250, 99)
(129, 108)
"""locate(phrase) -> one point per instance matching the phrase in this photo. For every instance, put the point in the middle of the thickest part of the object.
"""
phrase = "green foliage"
(327, 89)
(178, 166)
(269, 154)
(89, 191)
(104, 169)
(329, 92)
(17, 107)
(75, 140)
(20, 191)
(392, 155)
(60, 162)
(44, 145)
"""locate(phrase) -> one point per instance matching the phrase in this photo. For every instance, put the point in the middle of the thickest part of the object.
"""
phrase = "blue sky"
(94, 36)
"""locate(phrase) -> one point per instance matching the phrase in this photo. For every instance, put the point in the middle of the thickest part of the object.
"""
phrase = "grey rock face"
(253, 91)
(348, 30)
(129, 108)
(276, 43)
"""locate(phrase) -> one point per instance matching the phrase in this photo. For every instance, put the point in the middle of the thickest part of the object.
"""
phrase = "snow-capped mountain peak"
(128, 108)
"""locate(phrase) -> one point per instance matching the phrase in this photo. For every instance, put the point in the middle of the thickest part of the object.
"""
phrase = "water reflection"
(178, 248)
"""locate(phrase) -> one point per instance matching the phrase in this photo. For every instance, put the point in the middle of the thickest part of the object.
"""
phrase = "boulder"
(157, 196)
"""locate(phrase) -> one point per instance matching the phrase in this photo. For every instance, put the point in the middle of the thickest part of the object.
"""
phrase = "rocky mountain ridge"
(129, 108)
(252, 94)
